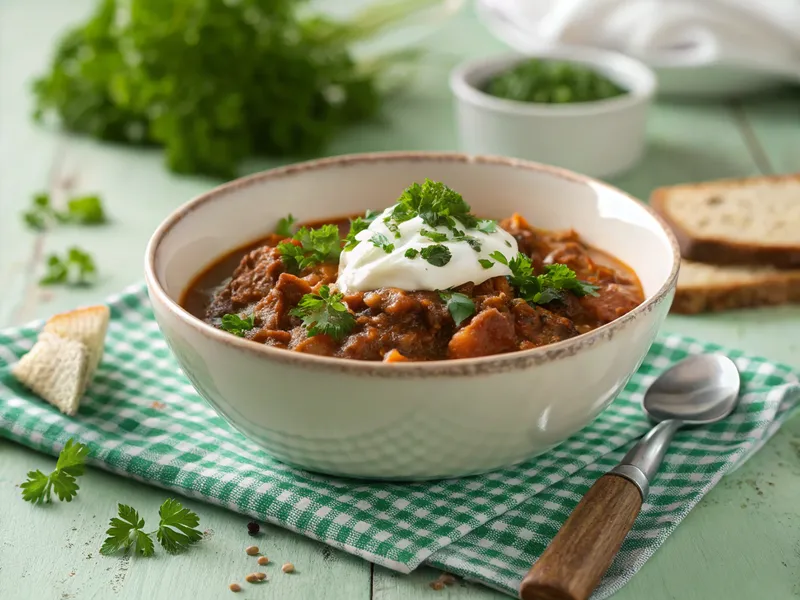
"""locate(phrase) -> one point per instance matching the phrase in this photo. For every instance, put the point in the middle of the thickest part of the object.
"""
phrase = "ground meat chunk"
(489, 332)
(273, 310)
(537, 326)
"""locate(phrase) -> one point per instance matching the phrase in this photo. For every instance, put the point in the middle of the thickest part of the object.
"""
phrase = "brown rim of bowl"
(496, 363)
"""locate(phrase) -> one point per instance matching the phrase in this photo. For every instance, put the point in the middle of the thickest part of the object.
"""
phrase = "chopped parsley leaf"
(379, 241)
(544, 288)
(412, 253)
(325, 313)
(437, 255)
(461, 307)
(314, 246)
(487, 225)
(237, 325)
(433, 235)
(358, 225)
(473, 242)
(284, 227)
(486, 263)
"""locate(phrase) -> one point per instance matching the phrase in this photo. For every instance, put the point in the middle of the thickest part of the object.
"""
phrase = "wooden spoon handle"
(573, 564)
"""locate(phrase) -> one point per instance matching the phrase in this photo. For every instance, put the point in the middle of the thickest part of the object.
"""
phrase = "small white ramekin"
(599, 139)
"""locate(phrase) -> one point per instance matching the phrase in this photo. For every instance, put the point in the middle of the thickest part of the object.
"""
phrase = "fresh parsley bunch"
(216, 81)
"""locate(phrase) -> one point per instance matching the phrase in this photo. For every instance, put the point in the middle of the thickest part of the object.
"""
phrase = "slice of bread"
(704, 288)
(55, 369)
(86, 325)
(752, 221)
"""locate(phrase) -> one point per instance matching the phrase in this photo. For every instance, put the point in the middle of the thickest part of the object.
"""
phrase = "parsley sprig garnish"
(70, 465)
(438, 255)
(461, 307)
(77, 268)
(284, 227)
(325, 313)
(314, 246)
(437, 205)
(177, 530)
(544, 288)
(237, 325)
(379, 241)
(81, 210)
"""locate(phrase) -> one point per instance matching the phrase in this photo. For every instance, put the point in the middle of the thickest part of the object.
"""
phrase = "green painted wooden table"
(742, 541)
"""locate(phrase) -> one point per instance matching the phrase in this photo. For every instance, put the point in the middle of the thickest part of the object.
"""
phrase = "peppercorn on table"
(739, 542)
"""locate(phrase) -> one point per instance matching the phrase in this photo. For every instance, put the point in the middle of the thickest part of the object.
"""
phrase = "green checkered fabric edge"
(142, 419)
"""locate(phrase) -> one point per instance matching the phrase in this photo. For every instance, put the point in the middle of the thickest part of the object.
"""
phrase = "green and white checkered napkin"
(142, 419)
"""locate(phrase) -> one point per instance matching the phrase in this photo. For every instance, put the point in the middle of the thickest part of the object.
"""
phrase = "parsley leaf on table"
(312, 247)
(233, 323)
(86, 210)
(127, 531)
(544, 288)
(81, 210)
(70, 465)
(325, 313)
(40, 213)
(461, 307)
(177, 530)
(76, 269)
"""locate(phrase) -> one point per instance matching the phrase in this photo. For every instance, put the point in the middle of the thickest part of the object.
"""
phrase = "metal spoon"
(698, 390)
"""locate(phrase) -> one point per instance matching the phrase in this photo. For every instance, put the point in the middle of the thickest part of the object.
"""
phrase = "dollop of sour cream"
(369, 267)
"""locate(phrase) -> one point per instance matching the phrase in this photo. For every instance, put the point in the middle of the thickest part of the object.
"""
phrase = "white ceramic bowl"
(600, 138)
(409, 420)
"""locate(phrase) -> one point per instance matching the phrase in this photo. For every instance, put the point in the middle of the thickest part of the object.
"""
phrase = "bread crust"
(774, 290)
(718, 251)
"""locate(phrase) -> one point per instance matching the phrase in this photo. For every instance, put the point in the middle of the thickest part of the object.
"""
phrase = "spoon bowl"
(697, 391)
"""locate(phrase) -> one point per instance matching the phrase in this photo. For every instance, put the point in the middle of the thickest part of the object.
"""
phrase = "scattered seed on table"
(253, 528)
(447, 579)
(252, 578)
(235, 587)
(260, 576)
(437, 585)
(263, 560)
(288, 568)
(251, 550)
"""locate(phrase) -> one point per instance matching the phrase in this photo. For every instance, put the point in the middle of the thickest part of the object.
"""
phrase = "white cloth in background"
(757, 35)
